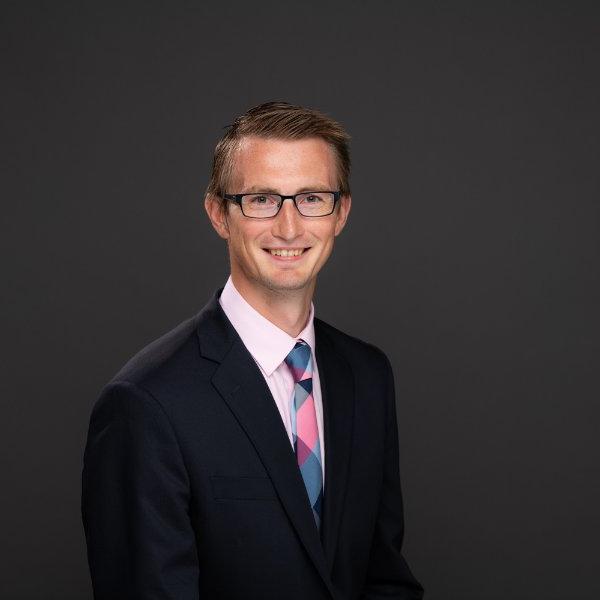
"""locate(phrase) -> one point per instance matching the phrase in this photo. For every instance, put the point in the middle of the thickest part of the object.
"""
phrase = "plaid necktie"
(304, 426)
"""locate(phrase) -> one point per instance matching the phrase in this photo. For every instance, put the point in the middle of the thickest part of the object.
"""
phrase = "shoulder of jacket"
(158, 354)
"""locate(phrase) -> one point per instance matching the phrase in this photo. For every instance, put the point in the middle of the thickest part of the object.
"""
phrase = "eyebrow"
(255, 189)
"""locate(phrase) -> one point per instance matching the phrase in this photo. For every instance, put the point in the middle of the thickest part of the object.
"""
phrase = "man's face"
(284, 167)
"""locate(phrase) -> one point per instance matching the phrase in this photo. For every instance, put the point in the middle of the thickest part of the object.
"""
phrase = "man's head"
(283, 149)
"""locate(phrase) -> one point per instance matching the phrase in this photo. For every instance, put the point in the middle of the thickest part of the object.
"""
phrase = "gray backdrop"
(471, 256)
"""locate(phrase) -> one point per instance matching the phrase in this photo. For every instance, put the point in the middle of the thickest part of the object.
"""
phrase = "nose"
(288, 223)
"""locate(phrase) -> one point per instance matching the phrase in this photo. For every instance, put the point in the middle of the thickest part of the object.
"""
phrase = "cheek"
(248, 238)
(327, 234)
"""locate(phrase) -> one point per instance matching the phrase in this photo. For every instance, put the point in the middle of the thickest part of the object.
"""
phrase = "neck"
(287, 309)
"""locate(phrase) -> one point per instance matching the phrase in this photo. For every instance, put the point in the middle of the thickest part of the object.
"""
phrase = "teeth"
(287, 252)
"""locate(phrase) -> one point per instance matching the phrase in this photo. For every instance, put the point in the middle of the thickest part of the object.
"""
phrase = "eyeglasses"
(264, 205)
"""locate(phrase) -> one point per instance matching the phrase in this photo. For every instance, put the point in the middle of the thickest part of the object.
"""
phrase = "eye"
(260, 199)
(312, 199)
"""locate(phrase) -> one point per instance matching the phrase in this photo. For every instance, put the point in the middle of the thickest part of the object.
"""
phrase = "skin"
(279, 290)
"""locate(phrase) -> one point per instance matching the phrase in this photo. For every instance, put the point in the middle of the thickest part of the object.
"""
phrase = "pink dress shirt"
(269, 345)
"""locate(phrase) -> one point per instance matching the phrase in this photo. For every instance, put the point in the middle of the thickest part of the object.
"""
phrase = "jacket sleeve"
(135, 498)
(388, 575)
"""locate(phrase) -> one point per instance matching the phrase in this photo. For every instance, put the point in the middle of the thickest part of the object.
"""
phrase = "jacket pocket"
(242, 488)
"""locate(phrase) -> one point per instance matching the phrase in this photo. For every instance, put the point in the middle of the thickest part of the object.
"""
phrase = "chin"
(286, 283)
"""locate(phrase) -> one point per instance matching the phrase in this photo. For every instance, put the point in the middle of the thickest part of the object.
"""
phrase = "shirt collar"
(267, 343)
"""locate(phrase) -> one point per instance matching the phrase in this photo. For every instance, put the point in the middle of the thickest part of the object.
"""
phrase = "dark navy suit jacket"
(191, 488)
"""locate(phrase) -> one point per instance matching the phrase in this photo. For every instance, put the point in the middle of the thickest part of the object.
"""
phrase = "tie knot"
(299, 361)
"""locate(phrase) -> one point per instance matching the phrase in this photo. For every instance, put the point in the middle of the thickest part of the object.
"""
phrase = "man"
(252, 452)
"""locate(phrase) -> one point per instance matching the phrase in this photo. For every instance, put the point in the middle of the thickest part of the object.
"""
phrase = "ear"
(342, 213)
(217, 213)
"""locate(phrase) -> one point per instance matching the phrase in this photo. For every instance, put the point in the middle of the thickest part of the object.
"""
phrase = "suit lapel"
(337, 391)
(241, 385)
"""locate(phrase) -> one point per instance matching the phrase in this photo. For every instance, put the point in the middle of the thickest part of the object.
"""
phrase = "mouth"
(287, 254)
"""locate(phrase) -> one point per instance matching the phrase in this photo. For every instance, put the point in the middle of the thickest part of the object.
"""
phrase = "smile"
(286, 251)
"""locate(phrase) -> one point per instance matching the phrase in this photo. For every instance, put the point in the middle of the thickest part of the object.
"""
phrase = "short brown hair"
(280, 120)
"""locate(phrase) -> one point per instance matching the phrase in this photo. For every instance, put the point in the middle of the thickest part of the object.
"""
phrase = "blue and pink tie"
(304, 426)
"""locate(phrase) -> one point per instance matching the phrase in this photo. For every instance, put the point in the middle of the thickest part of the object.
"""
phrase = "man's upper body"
(192, 483)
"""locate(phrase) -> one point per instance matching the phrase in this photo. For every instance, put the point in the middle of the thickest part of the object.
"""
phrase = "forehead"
(285, 165)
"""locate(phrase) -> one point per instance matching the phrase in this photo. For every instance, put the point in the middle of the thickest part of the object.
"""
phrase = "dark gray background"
(471, 255)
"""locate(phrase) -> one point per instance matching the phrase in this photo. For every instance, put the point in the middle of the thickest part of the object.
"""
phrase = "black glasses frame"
(237, 198)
